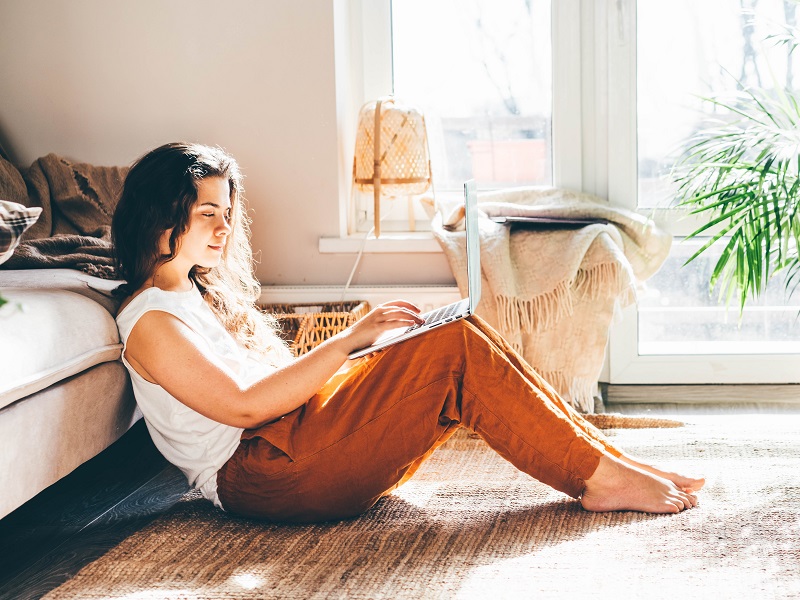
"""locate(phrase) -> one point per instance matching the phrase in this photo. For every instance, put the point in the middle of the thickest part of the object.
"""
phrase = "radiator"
(426, 297)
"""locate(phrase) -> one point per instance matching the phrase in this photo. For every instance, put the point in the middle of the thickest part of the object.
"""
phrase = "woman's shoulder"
(152, 294)
(140, 296)
(179, 304)
(128, 300)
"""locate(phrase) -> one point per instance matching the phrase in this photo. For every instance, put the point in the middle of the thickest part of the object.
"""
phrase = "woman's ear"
(163, 243)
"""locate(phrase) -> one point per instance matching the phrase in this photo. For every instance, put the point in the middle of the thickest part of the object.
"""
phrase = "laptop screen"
(473, 243)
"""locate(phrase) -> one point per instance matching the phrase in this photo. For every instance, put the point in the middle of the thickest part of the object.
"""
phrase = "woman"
(321, 437)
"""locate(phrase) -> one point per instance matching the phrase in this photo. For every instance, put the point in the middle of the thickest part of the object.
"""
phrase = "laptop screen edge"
(473, 244)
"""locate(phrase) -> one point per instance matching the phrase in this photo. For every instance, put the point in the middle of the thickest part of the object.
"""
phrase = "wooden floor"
(75, 521)
(47, 540)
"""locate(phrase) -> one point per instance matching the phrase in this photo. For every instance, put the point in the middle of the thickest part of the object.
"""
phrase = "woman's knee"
(456, 334)
(449, 344)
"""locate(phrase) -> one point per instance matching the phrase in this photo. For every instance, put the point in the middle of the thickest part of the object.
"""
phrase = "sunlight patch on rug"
(248, 581)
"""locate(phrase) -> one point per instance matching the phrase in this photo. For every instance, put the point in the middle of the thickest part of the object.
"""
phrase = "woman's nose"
(224, 227)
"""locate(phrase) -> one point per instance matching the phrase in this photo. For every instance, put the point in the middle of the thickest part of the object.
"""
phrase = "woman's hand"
(384, 317)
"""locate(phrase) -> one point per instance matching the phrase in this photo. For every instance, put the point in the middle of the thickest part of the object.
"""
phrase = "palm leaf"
(743, 174)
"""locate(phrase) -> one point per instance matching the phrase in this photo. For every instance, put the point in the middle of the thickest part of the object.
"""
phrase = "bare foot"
(686, 483)
(616, 485)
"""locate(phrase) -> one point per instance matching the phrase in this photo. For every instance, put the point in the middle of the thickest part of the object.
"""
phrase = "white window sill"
(421, 242)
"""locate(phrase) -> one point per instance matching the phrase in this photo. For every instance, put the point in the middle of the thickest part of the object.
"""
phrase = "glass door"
(666, 58)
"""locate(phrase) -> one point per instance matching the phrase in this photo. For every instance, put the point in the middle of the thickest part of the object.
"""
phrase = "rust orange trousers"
(370, 427)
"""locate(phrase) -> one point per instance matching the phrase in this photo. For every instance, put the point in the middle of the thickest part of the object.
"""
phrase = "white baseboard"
(753, 394)
(426, 297)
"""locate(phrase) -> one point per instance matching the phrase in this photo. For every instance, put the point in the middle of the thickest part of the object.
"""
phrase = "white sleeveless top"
(197, 445)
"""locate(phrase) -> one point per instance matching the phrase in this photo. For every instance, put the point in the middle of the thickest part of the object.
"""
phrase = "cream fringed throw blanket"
(552, 292)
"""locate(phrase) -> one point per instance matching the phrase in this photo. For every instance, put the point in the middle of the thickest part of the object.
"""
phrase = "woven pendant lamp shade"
(391, 154)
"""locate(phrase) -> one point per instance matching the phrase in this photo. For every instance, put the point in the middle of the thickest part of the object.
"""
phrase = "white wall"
(103, 81)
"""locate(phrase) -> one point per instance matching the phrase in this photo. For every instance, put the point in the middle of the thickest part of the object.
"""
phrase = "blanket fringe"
(601, 281)
(579, 392)
(541, 312)
(507, 314)
(535, 314)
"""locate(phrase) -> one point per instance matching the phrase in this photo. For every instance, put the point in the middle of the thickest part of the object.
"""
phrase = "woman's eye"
(208, 214)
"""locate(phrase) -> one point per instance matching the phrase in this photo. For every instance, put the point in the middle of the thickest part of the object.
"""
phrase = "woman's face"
(209, 226)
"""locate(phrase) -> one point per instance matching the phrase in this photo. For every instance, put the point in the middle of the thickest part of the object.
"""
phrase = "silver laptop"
(457, 310)
(522, 220)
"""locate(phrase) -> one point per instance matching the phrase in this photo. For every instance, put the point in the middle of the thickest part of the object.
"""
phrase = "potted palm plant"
(743, 174)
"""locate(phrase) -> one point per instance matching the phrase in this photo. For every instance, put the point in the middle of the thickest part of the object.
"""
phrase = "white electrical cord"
(355, 265)
(360, 253)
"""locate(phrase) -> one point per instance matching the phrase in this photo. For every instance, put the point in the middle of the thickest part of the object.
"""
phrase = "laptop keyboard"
(445, 313)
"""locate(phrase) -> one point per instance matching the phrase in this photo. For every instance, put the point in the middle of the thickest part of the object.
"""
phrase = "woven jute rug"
(618, 421)
(469, 525)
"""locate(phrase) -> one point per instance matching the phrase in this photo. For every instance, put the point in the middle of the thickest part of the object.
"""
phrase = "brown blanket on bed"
(74, 229)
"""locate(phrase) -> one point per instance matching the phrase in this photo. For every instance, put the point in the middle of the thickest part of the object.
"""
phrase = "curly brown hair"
(157, 196)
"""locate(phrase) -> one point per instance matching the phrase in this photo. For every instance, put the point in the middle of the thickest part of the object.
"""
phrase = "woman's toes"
(688, 500)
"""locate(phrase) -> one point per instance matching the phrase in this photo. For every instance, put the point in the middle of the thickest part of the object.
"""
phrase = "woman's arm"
(165, 351)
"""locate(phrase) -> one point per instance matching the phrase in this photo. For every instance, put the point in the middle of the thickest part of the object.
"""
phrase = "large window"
(480, 71)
